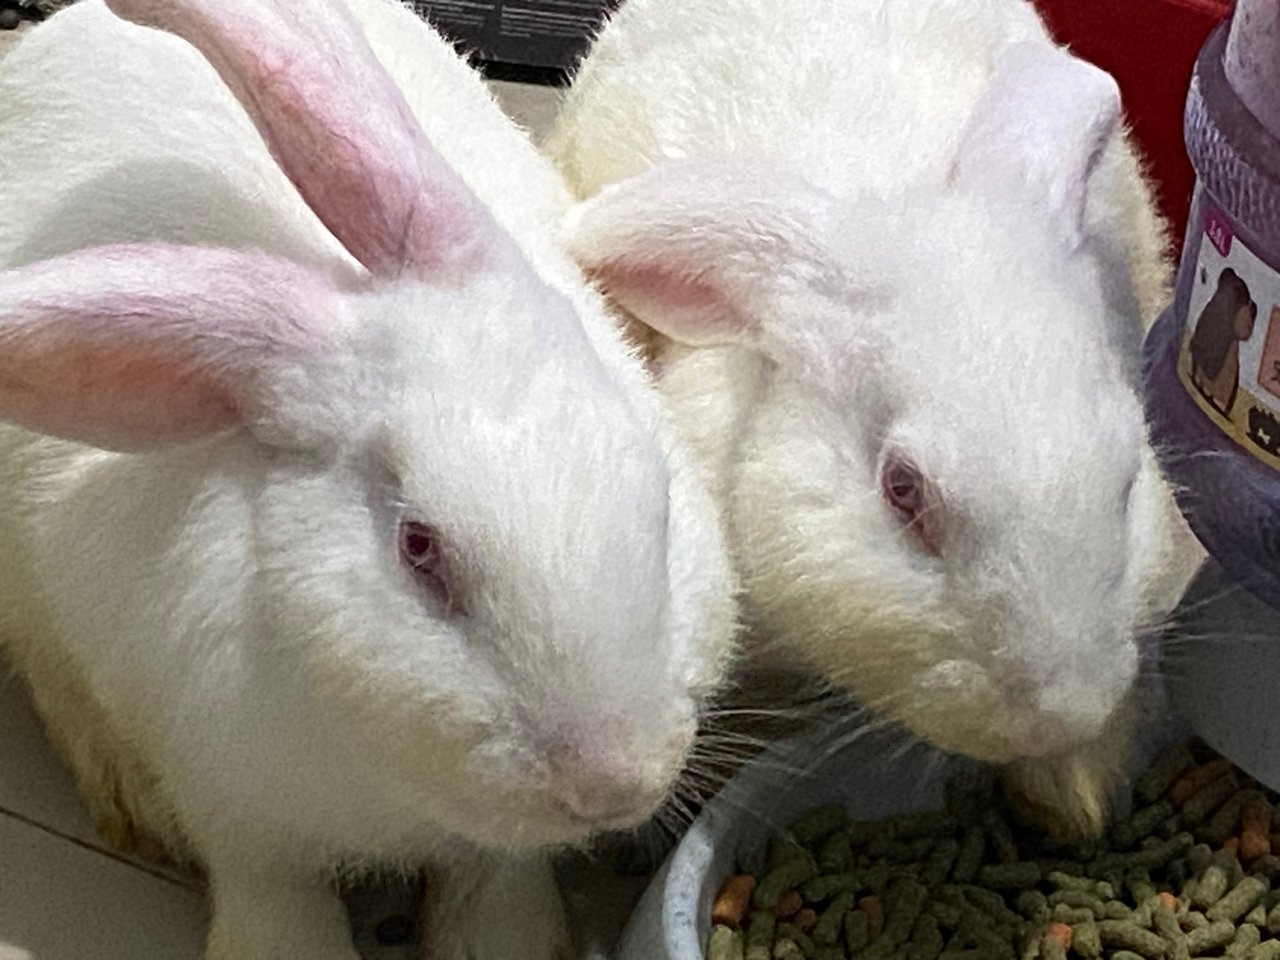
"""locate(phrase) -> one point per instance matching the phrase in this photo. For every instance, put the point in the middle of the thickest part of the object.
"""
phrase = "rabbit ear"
(137, 347)
(1039, 131)
(708, 254)
(337, 125)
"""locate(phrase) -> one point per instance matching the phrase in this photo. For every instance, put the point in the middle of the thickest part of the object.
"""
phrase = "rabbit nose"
(604, 782)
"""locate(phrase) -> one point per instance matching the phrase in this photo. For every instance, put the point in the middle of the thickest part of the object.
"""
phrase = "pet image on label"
(1227, 321)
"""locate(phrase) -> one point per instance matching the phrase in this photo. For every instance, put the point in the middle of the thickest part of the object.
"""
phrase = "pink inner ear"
(336, 123)
(689, 309)
(135, 347)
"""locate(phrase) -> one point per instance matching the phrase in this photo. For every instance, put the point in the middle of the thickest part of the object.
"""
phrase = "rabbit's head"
(471, 538)
(924, 410)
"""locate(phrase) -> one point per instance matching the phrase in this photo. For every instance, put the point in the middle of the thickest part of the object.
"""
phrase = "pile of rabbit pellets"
(1188, 874)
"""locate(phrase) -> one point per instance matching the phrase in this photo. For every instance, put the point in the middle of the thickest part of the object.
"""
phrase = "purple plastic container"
(1213, 358)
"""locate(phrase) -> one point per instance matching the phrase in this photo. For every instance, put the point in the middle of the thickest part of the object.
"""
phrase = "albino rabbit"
(901, 257)
(339, 529)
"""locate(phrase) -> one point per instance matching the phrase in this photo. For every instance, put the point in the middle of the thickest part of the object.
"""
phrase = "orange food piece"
(1191, 782)
(788, 905)
(806, 920)
(1254, 844)
(1169, 901)
(1061, 933)
(1256, 816)
(730, 907)
(873, 907)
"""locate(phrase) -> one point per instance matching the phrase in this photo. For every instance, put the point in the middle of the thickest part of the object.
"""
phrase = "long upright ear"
(337, 125)
(706, 253)
(140, 346)
(1038, 132)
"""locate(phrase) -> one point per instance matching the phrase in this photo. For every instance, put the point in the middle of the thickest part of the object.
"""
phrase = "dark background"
(535, 41)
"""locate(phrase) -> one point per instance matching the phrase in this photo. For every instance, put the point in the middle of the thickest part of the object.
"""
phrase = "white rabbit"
(901, 257)
(339, 529)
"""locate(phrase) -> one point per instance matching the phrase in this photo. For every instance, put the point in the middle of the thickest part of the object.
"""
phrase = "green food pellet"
(948, 915)
(1073, 915)
(1170, 825)
(836, 852)
(926, 939)
(1115, 910)
(787, 950)
(786, 877)
(1162, 852)
(828, 952)
(1226, 821)
(969, 858)
(857, 931)
(1210, 797)
(991, 904)
(1086, 941)
(1266, 950)
(1273, 919)
(1138, 883)
(1066, 881)
(1130, 936)
(1210, 887)
(1200, 856)
(1010, 875)
(1125, 955)
(823, 888)
(1243, 898)
(1158, 777)
(1140, 824)
(760, 928)
(818, 824)
(972, 953)
(1213, 937)
(1194, 920)
(1247, 937)
(876, 877)
(1166, 925)
(1078, 898)
(1051, 949)
(940, 862)
(789, 931)
(726, 944)
(827, 929)
(904, 903)
(901, 851)
(1267, 865)
(1257, 916)
(1031, 904)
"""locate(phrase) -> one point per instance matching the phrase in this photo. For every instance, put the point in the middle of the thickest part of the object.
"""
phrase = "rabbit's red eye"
(910, 498)
(421, 550)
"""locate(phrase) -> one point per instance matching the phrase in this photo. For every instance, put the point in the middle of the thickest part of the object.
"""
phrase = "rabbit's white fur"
(221, 637)
(797, 171)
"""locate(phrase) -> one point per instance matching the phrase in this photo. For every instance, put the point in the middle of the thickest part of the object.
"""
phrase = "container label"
(1230, 356)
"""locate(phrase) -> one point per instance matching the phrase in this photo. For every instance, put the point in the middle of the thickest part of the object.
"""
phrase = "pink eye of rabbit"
(909, 496)
(420, 548)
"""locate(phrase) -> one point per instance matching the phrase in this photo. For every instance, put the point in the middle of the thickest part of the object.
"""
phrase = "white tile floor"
(65, 896)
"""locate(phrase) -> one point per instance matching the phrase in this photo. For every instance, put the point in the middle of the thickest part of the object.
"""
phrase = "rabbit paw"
(262, 915)
(495, 911)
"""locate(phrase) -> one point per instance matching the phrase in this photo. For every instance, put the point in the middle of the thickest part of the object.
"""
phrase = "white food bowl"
(871, 777)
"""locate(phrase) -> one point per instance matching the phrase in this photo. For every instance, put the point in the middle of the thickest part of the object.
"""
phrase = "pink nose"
(599, 780)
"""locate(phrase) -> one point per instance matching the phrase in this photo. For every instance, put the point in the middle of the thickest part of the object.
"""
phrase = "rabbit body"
(212, 604)
(899, 257)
